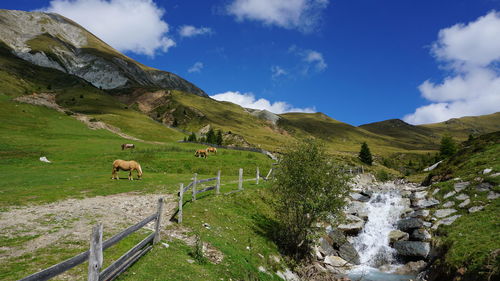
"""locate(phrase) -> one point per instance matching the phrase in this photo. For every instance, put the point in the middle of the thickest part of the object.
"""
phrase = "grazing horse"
(211, 149)
(126, 166)
(127, 145)
(201, 153)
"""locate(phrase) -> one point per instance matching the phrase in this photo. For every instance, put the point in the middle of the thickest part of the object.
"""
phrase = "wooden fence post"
(181, 194)
(158, 221)
(362, 169)
(240, 181)
(257, 178)
(269, 174)
(217, 185)
(193, 197)
(95, 253)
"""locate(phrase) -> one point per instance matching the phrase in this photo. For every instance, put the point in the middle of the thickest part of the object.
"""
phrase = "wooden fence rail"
(95, 256)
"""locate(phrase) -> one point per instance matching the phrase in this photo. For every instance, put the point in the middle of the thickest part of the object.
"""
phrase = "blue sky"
(358, 61)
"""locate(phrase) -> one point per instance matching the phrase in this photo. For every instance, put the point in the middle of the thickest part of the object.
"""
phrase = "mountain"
(53, 41)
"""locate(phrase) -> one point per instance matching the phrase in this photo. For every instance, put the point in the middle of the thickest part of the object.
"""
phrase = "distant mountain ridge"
(51, 40)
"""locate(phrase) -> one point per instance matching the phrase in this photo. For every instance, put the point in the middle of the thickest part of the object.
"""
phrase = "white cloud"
(315, 58)
(197, 67)
(277, 71)
(303, 15)
(248, 100)
(472, 53)
(311, 59)
(191, 31)
(127, 25)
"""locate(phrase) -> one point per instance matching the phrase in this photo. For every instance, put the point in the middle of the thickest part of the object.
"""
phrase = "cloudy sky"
(358, 61)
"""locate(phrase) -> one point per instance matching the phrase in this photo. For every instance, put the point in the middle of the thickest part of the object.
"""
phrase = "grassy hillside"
(461, 128)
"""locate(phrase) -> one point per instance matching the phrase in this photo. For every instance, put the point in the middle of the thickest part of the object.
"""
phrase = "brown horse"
(211, 149)
(127, 145)
(126, 166)
(201, 153)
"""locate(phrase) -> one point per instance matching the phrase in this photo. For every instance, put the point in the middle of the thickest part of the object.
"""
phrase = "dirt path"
(72, 219)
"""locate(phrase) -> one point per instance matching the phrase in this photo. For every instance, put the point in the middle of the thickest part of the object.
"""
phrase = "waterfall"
(372, 244)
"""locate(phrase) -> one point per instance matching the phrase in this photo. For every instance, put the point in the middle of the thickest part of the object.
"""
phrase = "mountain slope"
(53, 41)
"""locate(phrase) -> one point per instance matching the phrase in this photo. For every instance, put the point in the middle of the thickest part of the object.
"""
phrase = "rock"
(337, 262)
(432, 167)
(441, 213)
(44, 159)
(425, 203)
(418, 195)
(420, 213)
(190, 261)
(449, 194)
(342, 246)
(262, 269)
(288, 275)
(435, 191)
(405, 193)
(462, 197)
(411, 268)
(353, 226)
(409, 224)
(412, 248)
(487, 171)
(448, 204)
(493, 195)
(398, 235)
(427, 224)
(475, 209)
(478, 179)
(495, 175)
(358, 209)
(446, 221)
(359, 197)
(325, 246)
(405, 202)
(459, 186)
(465, 203)
(206, 225)
(421, 234)
(482, 187)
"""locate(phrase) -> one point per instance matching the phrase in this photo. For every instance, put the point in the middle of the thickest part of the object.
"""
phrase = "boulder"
(288, 275)
(420, 213)
(459, 186)
(446, 221)
(492, 195)
(411, 268)
(448, 204)
(484, 186)
(353, 225)
(359, 197)
(462, 197)
(465, 203)
(435, 191)
(420, 234)
(357, 208)
(405, 202)
(413, 249)
(487, 171)
(343, 248)
(442, 213)
(425, 203)
(418, 195)
(398, 235)
(475, 209)
(336, 261)
(449, 194)
(325, 246)
(409, 224)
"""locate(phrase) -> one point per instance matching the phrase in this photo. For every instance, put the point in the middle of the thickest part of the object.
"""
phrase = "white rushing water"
(384, 210)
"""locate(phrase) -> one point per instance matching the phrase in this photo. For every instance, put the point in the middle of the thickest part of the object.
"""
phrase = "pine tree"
(365, 155)
(448, 147)
(192, 137)
(219, 138)
(211, 138)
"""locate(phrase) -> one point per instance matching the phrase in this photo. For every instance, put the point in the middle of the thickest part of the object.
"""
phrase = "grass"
(239, 228)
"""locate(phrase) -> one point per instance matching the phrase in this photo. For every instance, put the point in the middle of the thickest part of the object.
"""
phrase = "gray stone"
(446, 221)
(359, 197)
(418, 195)
(441, 213)
(475, 209)
(405, 193)
(459, 186)
(495, 175)
(405, 202)
(342, 246)
(425, 203)
(398, 235)
(338, 262)
(409, 224)
(449, 194)
(484, 186)
(412, 248)
(465, 203)
(411, 268)
(353, 225)
(420, 213)
(487, 171)
(325, 247)
(448, 204)
(493, 195)
(288, 275)
(462, 196)
(427, 224)
(420, 234)
(357, 208)
(435, 191)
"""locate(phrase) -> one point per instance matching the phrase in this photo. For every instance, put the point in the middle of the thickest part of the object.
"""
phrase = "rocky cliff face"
(51, 40)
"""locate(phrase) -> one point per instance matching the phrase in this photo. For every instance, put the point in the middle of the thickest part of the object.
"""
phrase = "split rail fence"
(97, 246)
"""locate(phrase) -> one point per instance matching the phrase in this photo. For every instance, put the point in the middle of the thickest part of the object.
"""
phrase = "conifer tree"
(219, 138)
(448, 147)
(211, 138)
(365, 155)
(192, 137)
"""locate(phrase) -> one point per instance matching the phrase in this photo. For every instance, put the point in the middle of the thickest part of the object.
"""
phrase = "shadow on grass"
(266, 227)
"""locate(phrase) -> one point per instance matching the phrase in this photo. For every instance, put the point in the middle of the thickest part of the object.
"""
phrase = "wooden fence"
(97, 246)
(194, 191)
